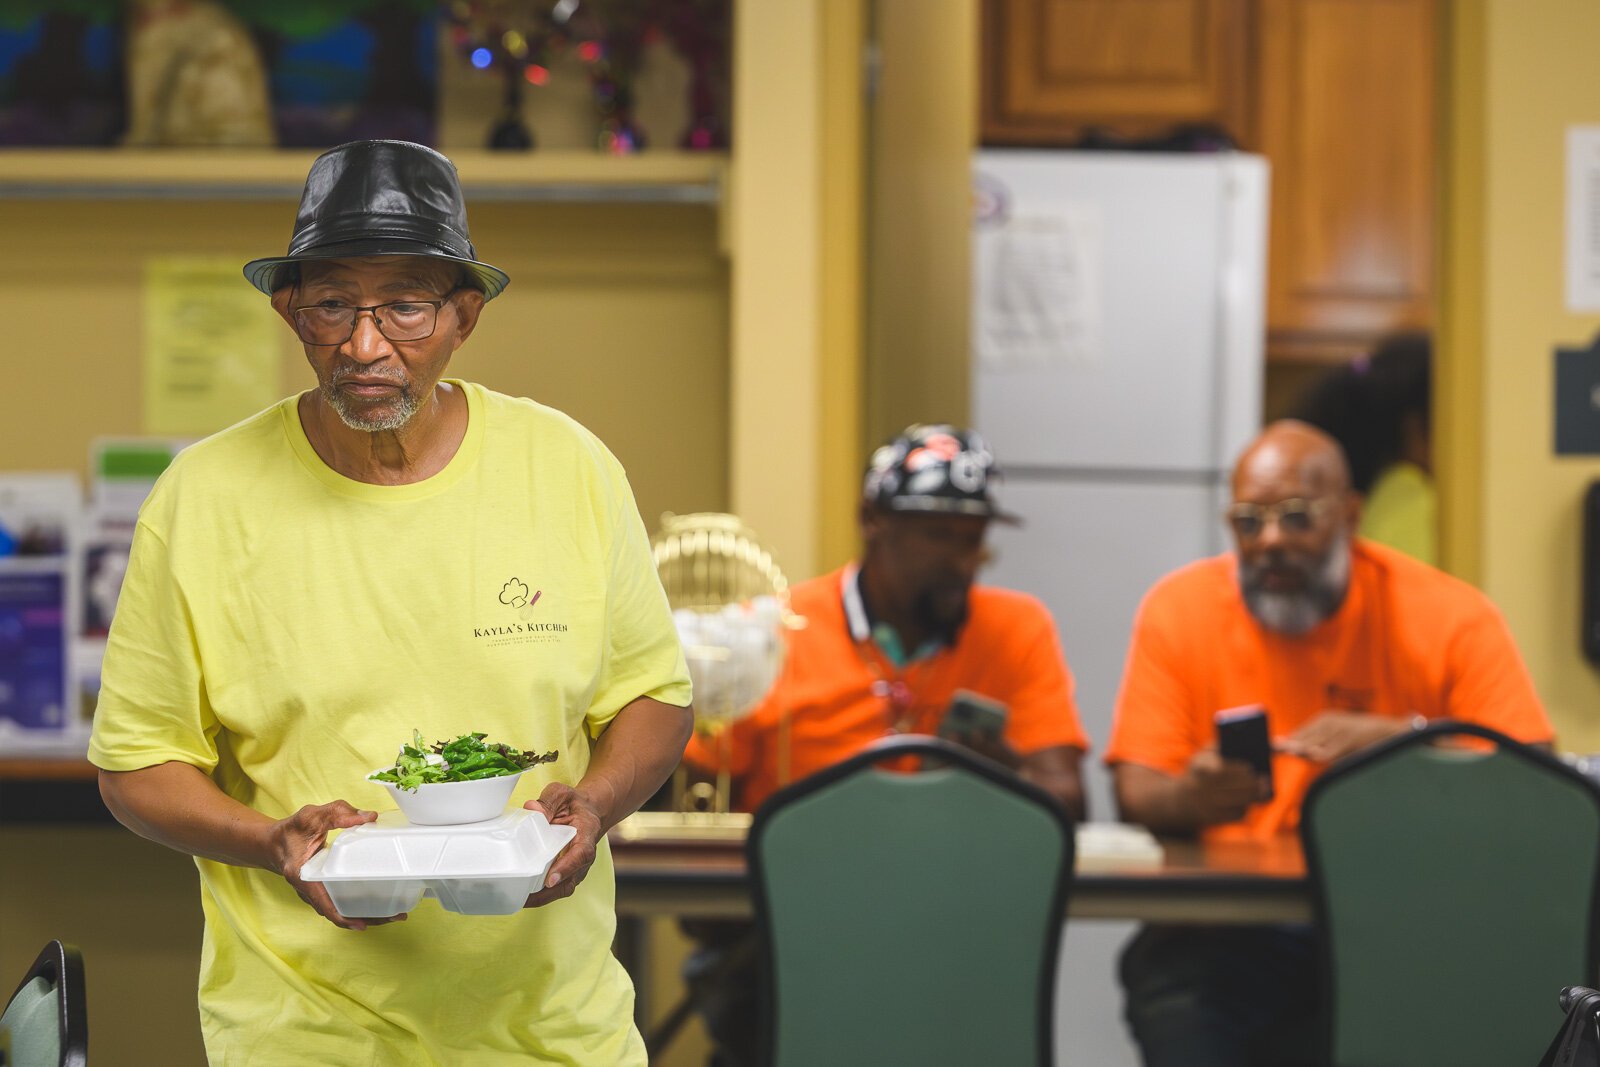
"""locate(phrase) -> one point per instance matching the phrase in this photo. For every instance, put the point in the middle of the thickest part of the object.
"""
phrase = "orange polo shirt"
(839, 692)
(1407, 640)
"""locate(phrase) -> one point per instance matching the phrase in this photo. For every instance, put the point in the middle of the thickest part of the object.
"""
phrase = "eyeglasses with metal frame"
(1293, 516)
(331, 323)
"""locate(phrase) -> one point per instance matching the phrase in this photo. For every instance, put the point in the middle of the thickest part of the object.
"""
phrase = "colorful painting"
(343, 72)
(61, 73)
(216, 72)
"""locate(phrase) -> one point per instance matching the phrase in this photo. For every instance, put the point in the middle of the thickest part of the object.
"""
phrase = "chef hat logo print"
(516, 594)
(935, 468)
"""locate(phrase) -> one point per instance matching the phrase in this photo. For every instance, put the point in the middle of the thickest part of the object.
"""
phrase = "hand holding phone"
(1242, 735)
(972, 715)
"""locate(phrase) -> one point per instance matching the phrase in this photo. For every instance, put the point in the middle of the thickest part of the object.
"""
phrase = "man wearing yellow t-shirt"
(392, 551)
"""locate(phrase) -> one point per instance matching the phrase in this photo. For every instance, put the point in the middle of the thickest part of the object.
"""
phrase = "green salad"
(466, 759)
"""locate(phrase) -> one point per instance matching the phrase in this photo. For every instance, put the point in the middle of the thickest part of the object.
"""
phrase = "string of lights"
(520, 41)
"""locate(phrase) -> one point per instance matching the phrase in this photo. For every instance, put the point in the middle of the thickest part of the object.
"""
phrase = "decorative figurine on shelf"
(195, 77)
(518, 38)
(617, 32)
(698, 31)
(512, 132)
(62, 74)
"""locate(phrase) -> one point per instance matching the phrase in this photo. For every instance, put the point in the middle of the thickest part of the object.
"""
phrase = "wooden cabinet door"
(1133, 68)
(1346, 99)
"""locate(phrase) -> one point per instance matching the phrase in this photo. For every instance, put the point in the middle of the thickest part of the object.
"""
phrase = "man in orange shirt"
(889, 641)
(886, 645)
(1344, 643)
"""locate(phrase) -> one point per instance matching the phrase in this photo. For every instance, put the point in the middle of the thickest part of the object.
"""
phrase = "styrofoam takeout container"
(447, 803)
(386, 867)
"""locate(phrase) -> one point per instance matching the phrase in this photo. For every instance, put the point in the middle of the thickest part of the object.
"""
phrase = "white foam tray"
(1116, 846)
(386, 867)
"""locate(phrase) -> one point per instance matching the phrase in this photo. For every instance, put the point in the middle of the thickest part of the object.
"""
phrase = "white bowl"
(448, 803)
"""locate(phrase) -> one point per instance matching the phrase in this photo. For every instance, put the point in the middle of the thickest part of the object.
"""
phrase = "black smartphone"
(972, 714)
(1242, 735)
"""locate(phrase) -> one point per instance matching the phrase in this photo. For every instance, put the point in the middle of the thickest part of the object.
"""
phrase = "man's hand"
(299, 837)
(1221, 790)
(1332, 735)
(1211, 790)
(565, 806)
(1055, 769)
(991, 746)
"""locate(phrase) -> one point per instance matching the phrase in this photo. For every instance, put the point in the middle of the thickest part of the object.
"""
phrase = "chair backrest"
(1455, 889)
(911, 917)
(46, 1023)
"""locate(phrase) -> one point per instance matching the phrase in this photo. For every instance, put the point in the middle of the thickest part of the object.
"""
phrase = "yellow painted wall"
(777, 337)
(794, 220)
(1529, 68)
(922, 130)
(1458, 352)
(841, 446)
(616, 314)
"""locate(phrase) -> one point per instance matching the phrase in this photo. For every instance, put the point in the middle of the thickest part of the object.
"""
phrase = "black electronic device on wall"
(1591, 573)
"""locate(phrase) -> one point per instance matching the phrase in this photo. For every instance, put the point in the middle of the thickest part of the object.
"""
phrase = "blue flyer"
(34, 636)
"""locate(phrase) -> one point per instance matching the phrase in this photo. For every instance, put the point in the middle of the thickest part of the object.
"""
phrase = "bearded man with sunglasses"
(1344, 643)
(393, 550)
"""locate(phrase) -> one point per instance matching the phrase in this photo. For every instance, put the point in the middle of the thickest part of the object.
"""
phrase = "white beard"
(405, 406)
(1293, 614)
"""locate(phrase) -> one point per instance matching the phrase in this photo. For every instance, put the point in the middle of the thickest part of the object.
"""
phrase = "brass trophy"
(730, 602)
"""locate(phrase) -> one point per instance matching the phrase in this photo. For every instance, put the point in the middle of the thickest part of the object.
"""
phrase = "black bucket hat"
(938, 469)
(379, 198)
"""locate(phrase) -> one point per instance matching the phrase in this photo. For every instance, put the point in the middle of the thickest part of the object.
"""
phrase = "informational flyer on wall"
(1583, 219)
(40, 527)
(211, 346)
(1037, 280)
(34, 644)
(123, 470)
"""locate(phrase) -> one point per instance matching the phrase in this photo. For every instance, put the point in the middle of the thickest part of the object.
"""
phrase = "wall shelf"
(43, 768)
(267, 174)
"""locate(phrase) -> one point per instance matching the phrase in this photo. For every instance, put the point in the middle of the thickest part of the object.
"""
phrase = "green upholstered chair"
(911, 918)
(45, 1023)
(1455, 890)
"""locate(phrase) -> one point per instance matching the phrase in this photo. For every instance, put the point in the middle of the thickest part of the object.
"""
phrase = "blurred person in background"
(1377, 408)
(886, 644)
(1344, 644)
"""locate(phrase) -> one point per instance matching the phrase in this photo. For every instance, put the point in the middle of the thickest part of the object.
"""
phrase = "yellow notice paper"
(211, 346)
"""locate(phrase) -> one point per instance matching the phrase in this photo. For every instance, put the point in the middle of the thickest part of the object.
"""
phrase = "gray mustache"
(342, 374)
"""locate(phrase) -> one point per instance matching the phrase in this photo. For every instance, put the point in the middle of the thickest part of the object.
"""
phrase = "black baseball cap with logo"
(935, 469)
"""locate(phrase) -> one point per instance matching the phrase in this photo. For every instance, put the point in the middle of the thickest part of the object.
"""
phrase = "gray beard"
(1293, 614)
(405, 406)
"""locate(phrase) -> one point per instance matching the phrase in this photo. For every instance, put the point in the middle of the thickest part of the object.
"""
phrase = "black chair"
(1455, 886)
(45, 1023)
(1577, 1043)
(911, 917)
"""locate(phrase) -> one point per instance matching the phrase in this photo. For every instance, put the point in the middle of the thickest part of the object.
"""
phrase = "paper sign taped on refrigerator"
(1038, 289)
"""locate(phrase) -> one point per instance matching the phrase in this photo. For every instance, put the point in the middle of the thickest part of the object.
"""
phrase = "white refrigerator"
(1117, 363)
